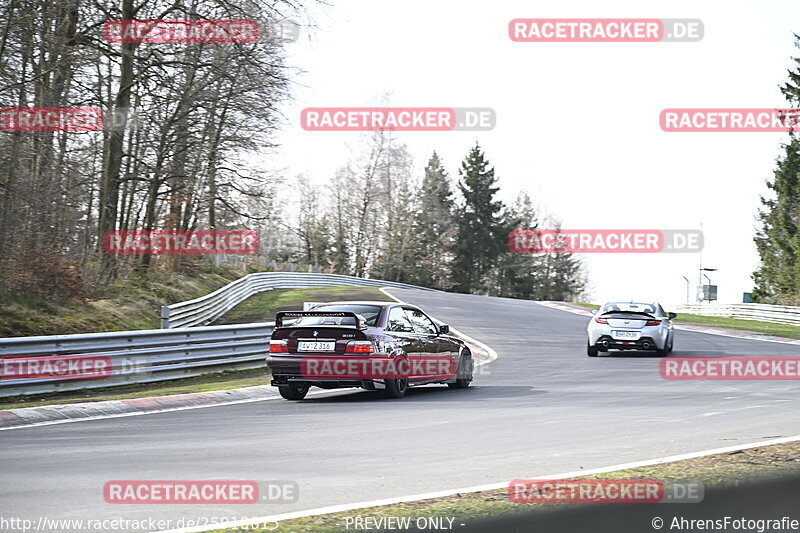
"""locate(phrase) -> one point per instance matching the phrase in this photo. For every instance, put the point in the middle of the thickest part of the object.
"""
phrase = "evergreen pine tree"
(435, 227)
(480, 222)
(777, 240)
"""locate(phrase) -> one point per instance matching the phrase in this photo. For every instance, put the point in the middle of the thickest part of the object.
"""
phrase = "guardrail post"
(165, 316)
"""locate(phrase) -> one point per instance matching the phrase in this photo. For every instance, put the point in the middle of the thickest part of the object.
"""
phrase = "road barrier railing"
(206, 309)
(136, 356)
(781, 314)
(185, 347)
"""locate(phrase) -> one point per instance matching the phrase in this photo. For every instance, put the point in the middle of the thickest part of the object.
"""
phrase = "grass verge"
(714, 471)
(263, 306)
(131, 304)
(756, 326)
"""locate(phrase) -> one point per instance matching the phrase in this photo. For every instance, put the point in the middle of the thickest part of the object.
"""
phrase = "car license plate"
(316, 346)
(625, 334)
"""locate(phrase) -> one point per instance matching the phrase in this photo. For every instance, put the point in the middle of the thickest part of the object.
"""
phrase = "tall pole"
(709, 287)
(699, 296)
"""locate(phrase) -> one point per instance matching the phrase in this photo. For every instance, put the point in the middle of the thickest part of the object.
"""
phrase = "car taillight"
(600, 320)
(358, 347)
(278, 347)
(653, 323)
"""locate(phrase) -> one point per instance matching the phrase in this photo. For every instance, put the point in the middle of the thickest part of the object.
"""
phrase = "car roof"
(644, 302)
(361, 302)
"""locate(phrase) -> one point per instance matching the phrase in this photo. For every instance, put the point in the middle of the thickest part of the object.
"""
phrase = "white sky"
(577, 123)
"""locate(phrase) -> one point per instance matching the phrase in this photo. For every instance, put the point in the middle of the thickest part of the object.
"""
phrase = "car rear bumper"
(287, 369)
(606, 342)
(369, 371)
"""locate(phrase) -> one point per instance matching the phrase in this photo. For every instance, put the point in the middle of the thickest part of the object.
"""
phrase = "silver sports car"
(630, 326)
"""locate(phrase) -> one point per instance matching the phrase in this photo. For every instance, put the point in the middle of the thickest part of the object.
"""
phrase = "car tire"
(396, 388)
(671, 343)
(293, 392)
(662, 351)
(591, 351)
(464, 372)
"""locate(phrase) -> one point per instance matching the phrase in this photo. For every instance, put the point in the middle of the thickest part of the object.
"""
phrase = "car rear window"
(369, 312)
(630, 307)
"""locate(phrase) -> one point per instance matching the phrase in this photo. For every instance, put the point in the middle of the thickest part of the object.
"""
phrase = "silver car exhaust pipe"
(646, 345)
(604, 344)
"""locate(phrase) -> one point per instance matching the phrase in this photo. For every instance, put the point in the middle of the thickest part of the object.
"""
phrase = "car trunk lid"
(327, 332)
(627, 321)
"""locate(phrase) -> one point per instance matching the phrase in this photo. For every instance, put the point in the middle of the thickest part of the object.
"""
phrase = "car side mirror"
(672, 315)
(444, 329)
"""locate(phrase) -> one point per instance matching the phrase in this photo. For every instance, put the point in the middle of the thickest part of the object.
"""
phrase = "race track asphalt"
(543, 407)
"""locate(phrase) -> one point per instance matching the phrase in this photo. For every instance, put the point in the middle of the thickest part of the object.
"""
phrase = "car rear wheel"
(591, 351)
(464, 372)
(671, 342)
(663, 351)
(293, 392)
(396, 388)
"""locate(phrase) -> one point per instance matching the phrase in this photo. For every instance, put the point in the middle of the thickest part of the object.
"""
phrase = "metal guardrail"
(782, 314)
(178, 350)
(206, 309)
(143, 356)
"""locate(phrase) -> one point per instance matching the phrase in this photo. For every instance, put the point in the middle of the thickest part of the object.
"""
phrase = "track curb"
(59, 414)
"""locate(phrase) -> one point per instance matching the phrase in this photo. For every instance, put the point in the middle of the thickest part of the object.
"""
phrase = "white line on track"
(492, 486)
(478, 488)
(155, 411)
